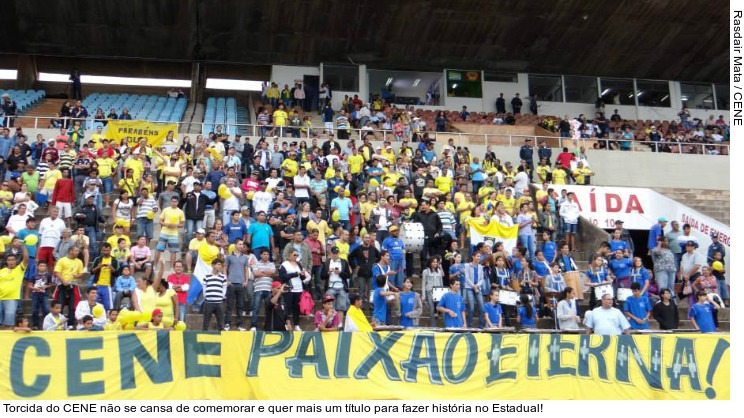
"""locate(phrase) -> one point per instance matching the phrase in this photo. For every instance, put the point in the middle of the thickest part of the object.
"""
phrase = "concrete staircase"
(47, 109)
(714, 203)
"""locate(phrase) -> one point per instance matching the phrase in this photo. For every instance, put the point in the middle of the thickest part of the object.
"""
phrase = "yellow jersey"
(355, 164)
(559, 176)
(290, 167)
(444, 183)
(106, 167)
(11, 280)
(173, 216)
(67, 268)
(104, 275)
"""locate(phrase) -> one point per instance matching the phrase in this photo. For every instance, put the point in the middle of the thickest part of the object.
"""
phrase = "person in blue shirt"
(343, 205)
(656, 232)
(456, 269)
(410, 305)
(596, 274)
(527, 316)
(235, 229)
(640, 275)
(452, 307)
(476, 175)
(259, 235)
(616, 243)
(379, 302)
(549, 248)
(620, 267)
(637, 308)
(394, 245)
(22, 234)
(494, 313)
(702, 312)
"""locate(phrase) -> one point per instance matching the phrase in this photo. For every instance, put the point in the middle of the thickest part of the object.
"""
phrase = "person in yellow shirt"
(558, 174)
(582, 175)
(388, 153)
(366, 204)
(343, 246)
(50, 179)
(509, 172)
(280, 119)
(112, 324)
(11, 281)
(356, 162)
(543, 170)
(106, 171)
(290, 166)
(136, 164)
(444, 184)
(509, 202)
(485, 190)
(408, 202)
(113, 240)
(104, 267)
(272, 93)
(320, 225)
(172, 219)
(97, 138)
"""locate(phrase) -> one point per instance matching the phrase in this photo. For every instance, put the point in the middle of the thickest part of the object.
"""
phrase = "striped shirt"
(448, 220)
(342, 122)
(42, 168)
(263, 284)
(214, 288)
(145, 207)
(66, 161)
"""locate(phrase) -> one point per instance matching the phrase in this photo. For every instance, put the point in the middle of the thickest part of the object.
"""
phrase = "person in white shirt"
(17, 222)
(50, 234)
(567, 311)
(570, 215)
(302, 186)
(85, 307)
(521, 181)
(262, 200)
(606, 320)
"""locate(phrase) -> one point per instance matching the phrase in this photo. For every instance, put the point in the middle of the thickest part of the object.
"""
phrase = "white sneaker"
(227, 327)
(241, 329)
(297, 328)
(253, 329)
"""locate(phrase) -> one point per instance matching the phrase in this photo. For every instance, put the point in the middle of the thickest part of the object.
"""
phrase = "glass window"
(581, 89)
(500, 77)
(617, 91)
(464, 84)
(697, 96)
(722, 96)
(341, 77)
(548, 88)
(653, 93)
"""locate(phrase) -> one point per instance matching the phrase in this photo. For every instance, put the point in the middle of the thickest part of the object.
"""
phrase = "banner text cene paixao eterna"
(404, 365)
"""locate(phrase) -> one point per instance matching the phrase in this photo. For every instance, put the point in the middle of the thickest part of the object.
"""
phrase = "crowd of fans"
(279, 224)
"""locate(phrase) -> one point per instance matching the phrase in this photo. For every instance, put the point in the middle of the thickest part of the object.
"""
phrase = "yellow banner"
(405, 365)
(133, 130)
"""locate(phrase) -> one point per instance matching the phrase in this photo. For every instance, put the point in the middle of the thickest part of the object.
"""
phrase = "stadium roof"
(683, 40)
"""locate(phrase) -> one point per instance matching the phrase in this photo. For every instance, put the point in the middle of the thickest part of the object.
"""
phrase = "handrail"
(461, 138)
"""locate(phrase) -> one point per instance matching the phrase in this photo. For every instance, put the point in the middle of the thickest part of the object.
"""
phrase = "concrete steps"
(46, 108)
(714, 203)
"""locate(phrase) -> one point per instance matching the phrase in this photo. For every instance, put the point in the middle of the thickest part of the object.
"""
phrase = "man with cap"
(690, 267)
(336, 274)
(276, 309)
(715, 247)
(327, 319)
(395, 246)
(656, 232)
(525, 153)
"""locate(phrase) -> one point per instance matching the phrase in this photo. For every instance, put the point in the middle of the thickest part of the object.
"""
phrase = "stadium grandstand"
(281, 188)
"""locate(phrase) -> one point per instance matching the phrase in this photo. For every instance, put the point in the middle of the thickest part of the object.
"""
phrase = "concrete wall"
(286, 74)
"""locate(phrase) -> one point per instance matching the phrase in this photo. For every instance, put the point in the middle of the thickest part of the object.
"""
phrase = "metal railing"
(460, 138)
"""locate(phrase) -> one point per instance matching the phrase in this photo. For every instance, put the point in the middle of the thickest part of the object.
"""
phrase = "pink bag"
(306, 303)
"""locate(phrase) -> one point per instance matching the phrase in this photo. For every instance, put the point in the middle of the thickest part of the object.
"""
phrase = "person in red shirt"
(64, 195)
(317, 252)
(106, 151)
(564, 159)
(51, 150)
(179, 281)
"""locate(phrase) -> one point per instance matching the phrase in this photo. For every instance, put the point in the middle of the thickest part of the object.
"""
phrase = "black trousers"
(235, 296)
(215, 308)
(293, 305)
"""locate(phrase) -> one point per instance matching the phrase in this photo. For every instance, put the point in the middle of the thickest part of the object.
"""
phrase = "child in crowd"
(493, 310)
(125, 285)
(55, 321)
(379, 302)
(22, 325)
(111, 324)
(87, 323)
(38, 285)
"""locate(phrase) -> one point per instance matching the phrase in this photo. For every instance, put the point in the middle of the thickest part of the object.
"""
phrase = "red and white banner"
(640, 209)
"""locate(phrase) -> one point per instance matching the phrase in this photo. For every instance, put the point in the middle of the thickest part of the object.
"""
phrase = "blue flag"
(195, 289)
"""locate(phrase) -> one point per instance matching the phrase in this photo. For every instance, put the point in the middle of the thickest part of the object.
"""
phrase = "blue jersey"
(638, 307)
(525, 322)
(395, 247)
(702, 313)
(343, 205)
(379, 303)
(22, 234)
(640, 276)
(618, 245)
(493, 313)
(260, 235)
(407, 303)
(458, 268)
(549, 250)
(620, 268)
(235, 231)
(453, 302)
(597, 277)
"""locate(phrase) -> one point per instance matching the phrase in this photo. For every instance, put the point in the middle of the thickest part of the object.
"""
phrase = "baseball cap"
(328, 298)
(394, 228)
(693, 243)
(87, 195)
(335, 250)
(156, 312)
(244, 208)
(663, 219)
(276, 284)
(201, 231)
(619, 221)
